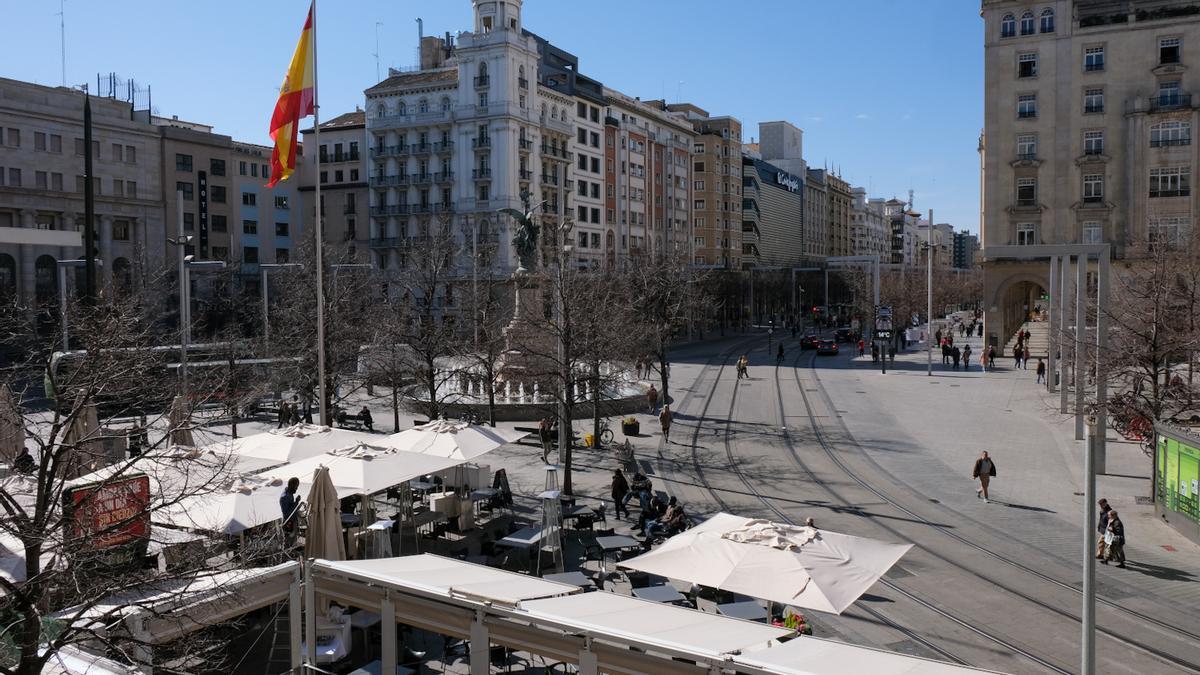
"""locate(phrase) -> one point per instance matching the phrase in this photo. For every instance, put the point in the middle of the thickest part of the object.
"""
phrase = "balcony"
(421, 208)
(1026, 114)
(1093, 67)
(422, 148)
(482, 81)
(1027, 157)
(549, 179)
(1169, 142)
(481, 142)
(1093, 108)
(1093, 201)
(481, 174)
(421, 178)
(524, 143)
(384, 242)
(1026, 203)
(526, 174)
(1182, 192)
(389, 210)
(418, 119)
(443, 208)
(1170, 102)
(385, 181)
(443, 147)
(444, 177)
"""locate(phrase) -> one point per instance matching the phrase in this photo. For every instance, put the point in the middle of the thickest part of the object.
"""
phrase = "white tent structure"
(817, 656)
(454, 440)
(798, 566)
(229, 507)
(292, 444)
(362, 469)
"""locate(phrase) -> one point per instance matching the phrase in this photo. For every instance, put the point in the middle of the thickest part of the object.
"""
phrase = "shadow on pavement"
(1160, 572)
(1023, 507)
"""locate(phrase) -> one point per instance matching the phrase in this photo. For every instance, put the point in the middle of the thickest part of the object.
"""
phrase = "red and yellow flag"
(296, 99)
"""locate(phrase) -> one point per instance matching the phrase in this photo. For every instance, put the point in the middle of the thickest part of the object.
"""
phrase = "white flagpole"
(324, 410)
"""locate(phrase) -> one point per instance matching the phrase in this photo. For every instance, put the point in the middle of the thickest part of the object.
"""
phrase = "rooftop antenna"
(62, 37)
(679, 92)
(910, 198)
(420, 38)
(376, 54)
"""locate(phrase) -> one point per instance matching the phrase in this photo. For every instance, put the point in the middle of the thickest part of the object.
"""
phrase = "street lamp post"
(62, 294)
(187, 264)
(564, 423)
(264, 293)
(929, 297)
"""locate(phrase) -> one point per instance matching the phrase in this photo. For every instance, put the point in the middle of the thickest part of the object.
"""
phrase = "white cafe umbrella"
(12, 427)
(454, 440)
(363, 469)
(800, 566)
(228, 507)
(180, 423)
(323, 538)
(294, 443)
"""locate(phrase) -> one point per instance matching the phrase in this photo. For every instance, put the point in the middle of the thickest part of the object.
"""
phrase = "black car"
(809, 341)
(844, 335)
(827, 348)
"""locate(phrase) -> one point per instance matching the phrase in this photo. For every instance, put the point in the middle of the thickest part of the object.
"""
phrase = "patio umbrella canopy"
(12, 427)
(81, 439)
(454, 440)
(323, 538)
(180, 423)
(229, 507)
(363, 469)
(295, 443)
(799, 566)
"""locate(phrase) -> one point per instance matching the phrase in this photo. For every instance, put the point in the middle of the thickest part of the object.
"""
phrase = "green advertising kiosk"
(1177, 478)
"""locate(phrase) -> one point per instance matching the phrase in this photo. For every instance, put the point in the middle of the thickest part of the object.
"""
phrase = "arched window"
(1027, 23)
(381, 110)
(423, 106)
(554, 112)
(8, 277)
(445, 104)
(122, 272)
(402, 109)
(1047, 20)
(1008, 26)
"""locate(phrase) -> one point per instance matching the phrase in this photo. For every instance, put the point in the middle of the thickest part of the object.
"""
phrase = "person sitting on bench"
(670, 522)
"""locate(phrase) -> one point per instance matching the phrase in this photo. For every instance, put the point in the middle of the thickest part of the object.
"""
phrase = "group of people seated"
(657, 518)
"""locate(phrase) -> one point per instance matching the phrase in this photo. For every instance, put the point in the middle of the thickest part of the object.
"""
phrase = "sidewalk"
(928, 431)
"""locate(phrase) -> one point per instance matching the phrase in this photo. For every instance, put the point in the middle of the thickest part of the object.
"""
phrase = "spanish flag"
(296, 101)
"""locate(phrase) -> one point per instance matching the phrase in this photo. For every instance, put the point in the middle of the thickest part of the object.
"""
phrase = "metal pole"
(1080, 337)
(1088, 618)
(1055, 320)
(751, 298)
(89, 206)
(794, 292)
(266, 315)
(475, 278)
(1064, 293)
(826, 292)
(185, 294)
(321, 396)
(876, 290)
(929, 296)
(62, 302)
(1101, 450)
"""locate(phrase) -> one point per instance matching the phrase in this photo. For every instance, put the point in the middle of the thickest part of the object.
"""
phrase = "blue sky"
(889, 92)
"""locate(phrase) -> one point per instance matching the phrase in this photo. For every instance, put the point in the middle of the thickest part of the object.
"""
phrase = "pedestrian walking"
(966, 357)
(289, 506)
(652, 399)
(983, 360)
(1114, 540)
(1041, 370)
(991, 356)
(981, 329)
(741, 367)
(365, 416)
(665, 418)
(638, 367)
(284, 415)
(779, 354)
(862, 347)
(545, 437)
(955, 354)
(945, 353)
(620, 488)
(985, 471)
(1102, 528)
(937, 337)
(1017, 356)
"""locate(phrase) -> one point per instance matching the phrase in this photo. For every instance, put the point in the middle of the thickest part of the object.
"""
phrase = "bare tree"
(663, 294)
(490, 310)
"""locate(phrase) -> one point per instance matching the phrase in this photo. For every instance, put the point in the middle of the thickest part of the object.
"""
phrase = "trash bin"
(589, 440)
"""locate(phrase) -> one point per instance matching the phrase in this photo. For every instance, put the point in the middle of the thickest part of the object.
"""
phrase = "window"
(1026, 146)
(282, 255)
(250, 255)
(1047, 20)
(217, 192)
(1093, 188)
(583, 188)
(130, 188)
(281, 229)
(1169, 229)
(1027, 106)
(281, 202)
(1168, 50)
(1026, 191)
(698, 185)
(353, 175)
(1169, 94)
(1093, 142)
(1093, 59)
(254, 171)
(1027, 65)
(595, 139)
(483, 194)
(698, 148)
(241, 168)
(189, 222)
(339, 176)
(216, 167)
(1027, 23)
(39, 140)
(595, 164)
(1092, 233)
(324, 176)
(56, 144)
(1008, 26)
(118, 187)
(219, 223)
(183, 162)
(1025, 234)
(249, 198)
(249, 227)
(1170, 182)
(186, 189)
(483, 99)
(130, 153)
(698, 167)
(41, 180)
(1093, 100)
(698, 204)
(13, 139)
(1171, 133)
(120, 230)
(56, 183)
(582, 214)
(596, 219)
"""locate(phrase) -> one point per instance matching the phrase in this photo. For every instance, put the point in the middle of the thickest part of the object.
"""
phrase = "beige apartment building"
(344, 193)
(816, 215)
(1089, 114)
(840, 203)
(716, 188)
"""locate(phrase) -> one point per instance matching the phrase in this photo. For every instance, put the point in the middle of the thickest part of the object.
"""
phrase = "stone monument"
(527, 345)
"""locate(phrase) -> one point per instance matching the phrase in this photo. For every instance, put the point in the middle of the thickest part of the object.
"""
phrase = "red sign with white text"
(110, 513)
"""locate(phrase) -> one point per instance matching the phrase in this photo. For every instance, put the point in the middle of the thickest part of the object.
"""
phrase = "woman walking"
(620, 488)
(1114, 539)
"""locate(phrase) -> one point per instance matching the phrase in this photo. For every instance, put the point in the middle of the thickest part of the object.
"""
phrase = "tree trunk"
(396, 407)
(595, 404)
(431, 387)
(491, 392)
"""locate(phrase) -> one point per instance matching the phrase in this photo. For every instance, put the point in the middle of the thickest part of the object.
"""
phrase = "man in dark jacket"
(985, 470)
(620, 488)
(289, 506)
(1116, 543)
(1102, 527)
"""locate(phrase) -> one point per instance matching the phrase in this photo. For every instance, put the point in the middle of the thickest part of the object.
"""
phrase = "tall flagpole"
(321, 396)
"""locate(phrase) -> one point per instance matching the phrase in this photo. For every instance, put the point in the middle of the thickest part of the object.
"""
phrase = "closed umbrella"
(800, 566)
(81, 440)
(12, 427)
(453, 440)
(181, 423)
(323, 538)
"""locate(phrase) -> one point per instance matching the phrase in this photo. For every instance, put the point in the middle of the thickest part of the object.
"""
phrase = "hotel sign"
(787, 180)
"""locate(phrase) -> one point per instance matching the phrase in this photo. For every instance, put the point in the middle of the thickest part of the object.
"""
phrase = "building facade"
(344, 190)
(1088, 126)
(716, 181)
(869, 226)
(816, 215)
(965, 246)
(840, 202)
(772, 215)
(42, 185)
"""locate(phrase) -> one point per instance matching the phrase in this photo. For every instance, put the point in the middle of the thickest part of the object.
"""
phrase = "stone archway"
(1015, 300)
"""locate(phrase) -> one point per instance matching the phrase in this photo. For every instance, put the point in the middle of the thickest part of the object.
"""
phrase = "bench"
(534, 439)
(347, 420)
